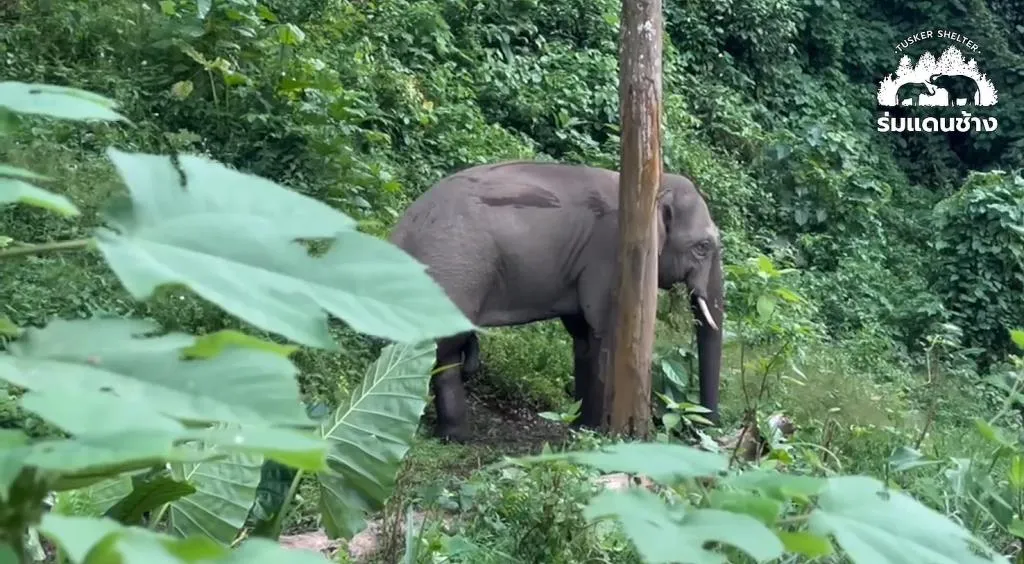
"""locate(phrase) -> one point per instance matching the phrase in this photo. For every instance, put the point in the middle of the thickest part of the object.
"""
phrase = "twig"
(42, 248)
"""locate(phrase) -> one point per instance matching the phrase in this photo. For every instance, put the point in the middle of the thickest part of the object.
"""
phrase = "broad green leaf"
(15, 191)
(24, 174)
(699, 419)
(7, 554)
(991, 434)
(765, 305)
(211, 345)
(99, 340)
(1016, 528)
(298, 449)
(776, 485)
(84, 461)
(904, 458)
(1016, 474)
(764, 509)
(88, 413)
(229, 237)
(237, 386)
(664, 463)
(290, 34)
(787, 295)
(694, 408)
(874, 525)
(661, 535)
(264, 551)
(99, 497)
(57, 102)
(12, 459)
(102, 540)
(76, 536)
(765, 265)
(134, 544)
(11, 438)
(1017, 336)
(8, 328)
(214, 192)
(225, 490)
(87, 461)
(147, 495)
(370, 434)
(807, 544)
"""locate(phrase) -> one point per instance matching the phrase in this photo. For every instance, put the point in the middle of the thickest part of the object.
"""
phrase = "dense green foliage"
(904, 248)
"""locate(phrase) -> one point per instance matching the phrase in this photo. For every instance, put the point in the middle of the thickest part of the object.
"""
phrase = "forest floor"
(500, 427)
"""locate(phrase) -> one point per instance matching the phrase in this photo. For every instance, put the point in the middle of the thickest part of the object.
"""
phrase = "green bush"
(980, 271)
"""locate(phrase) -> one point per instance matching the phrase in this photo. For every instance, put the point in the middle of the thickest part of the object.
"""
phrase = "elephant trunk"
(709, 339)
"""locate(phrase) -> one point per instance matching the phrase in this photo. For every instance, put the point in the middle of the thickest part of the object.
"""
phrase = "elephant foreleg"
(449, 391)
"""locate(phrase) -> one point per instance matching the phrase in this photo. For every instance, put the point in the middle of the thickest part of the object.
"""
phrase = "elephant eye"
(703, 247)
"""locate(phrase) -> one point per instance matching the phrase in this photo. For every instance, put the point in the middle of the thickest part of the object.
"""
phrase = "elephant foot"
(452, 434)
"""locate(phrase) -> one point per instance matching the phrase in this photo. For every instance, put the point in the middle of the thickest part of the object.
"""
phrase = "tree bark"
(626, 373)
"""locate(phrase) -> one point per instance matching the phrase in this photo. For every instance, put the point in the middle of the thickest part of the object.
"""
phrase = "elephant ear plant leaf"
(232, 239)
(875, 524)
(870, 524)
(53, 101)
(225, 491)
(134, 400)
(664, 535)
(59, 102)
(370, 433)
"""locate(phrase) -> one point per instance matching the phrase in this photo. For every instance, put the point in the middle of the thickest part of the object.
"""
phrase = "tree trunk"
(626, 373)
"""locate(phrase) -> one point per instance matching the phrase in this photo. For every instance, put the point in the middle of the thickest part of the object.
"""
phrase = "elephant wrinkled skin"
(516, 242)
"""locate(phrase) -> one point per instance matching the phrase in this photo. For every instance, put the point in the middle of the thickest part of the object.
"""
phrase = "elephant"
(958, 86)
(516, 242)
(915, 92)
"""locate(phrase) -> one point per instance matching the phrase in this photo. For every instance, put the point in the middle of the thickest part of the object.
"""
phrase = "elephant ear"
(664, 215)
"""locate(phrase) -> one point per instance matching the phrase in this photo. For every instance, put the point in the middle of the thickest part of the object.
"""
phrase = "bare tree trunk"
(626, 373)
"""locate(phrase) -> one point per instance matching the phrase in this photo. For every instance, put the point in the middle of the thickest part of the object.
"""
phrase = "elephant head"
(690, 251)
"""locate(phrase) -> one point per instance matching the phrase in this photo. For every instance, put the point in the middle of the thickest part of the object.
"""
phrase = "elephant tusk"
(707, 313)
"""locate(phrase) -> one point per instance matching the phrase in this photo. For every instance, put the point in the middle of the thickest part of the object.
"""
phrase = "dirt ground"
(512, 429)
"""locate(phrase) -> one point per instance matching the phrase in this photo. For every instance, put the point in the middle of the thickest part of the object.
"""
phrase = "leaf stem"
(286, 505)
(42, 248)
(154, 520)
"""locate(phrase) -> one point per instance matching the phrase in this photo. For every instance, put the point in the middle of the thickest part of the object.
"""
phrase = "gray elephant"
(958, 86)
(913, 92)
(516, 242)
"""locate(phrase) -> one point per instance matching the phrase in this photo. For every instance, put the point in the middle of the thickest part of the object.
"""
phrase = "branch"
(43, 248)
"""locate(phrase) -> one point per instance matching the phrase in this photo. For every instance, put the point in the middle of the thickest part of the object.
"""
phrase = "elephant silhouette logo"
(961, 89)
(950, 80)
(910, 92)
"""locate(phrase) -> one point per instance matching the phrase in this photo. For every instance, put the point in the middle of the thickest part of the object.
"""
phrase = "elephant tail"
(471, 358)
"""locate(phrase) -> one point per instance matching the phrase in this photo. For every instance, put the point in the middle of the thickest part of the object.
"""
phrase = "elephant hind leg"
(586, 388)
(471, 356)
(449, 392)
